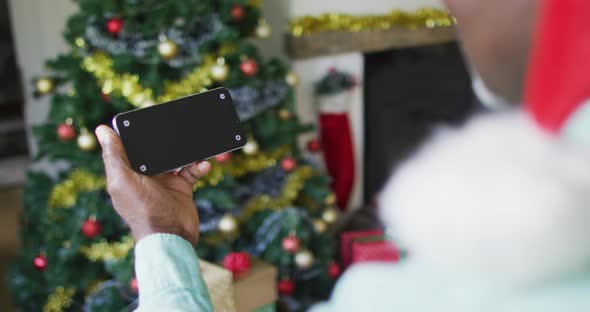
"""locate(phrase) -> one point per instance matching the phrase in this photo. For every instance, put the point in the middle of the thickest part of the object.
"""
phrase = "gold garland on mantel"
(423, 18)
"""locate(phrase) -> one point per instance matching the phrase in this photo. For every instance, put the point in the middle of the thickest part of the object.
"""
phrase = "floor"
(10, 207)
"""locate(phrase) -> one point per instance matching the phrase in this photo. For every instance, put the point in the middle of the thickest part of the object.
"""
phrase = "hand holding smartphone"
(174, 134)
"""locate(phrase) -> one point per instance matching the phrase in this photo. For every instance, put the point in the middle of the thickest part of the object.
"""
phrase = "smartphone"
(174, 134)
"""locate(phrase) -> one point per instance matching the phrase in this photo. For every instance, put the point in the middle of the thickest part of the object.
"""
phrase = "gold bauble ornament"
(44, 85)
(319, 225)
(330, 215)
(292, 79)
(86, 140)
(304, 259)
(251, 147)
(330, 199)
(228, 224)
(284, 114)
(167, 49)
(220, 70)
(263, 30)
(80, 42)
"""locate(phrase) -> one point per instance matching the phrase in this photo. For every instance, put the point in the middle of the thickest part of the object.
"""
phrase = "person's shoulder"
(382, 272)
(567, 294)
(373, 272)
(374, 286)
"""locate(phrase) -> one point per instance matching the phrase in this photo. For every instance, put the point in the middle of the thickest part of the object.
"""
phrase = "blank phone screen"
(174, 134)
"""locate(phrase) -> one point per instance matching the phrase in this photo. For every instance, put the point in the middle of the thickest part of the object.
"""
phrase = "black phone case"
(171, 135)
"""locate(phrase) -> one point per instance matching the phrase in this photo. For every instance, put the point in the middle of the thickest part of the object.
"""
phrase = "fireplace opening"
(408, 92)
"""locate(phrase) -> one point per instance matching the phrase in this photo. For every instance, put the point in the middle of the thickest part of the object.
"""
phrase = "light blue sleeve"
(169, 276)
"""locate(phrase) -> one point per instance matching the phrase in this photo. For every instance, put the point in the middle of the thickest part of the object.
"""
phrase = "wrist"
(139, 234)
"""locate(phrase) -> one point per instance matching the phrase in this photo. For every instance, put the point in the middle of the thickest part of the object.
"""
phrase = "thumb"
(113, 153)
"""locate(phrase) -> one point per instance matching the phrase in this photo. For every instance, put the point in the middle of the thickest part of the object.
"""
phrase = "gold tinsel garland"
(255, 3)
(427, 17)
(293, 186)
(64, 194)
(94, 286)
(241, 165)
(59, 300)
(128, 85)
(104, 251)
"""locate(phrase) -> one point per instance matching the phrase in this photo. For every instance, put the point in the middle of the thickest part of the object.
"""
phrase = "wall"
(276, 13)
(314, 7)
(37, 26)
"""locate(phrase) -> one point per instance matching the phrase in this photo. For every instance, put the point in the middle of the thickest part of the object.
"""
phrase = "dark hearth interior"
(407, 93)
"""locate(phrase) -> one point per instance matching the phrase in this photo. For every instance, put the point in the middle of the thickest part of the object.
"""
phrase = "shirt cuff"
(166, 262)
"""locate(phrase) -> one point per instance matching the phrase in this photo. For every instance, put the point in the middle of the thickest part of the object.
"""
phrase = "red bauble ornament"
(134, 285)
(40, 263)
(66, 132)
(249, 67)
(238, 13)
(313, 145)
(105, 97)
(286, 287)
(289, 164)
(334, 270)
(115, 25)
(237, 262)
(291, 244)
(91, 228)
(223, 157)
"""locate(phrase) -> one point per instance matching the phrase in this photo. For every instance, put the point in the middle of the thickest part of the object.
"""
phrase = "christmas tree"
(269, 200)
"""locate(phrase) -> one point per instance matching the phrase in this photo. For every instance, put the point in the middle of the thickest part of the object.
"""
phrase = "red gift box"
(363, 246)
(378, 250)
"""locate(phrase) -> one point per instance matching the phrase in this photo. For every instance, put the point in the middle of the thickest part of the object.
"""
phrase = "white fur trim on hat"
(497, 197)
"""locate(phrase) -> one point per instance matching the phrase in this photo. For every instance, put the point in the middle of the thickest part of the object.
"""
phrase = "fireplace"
(413, 81)
(408, 92)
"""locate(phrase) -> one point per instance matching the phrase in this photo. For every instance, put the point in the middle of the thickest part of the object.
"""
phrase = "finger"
(187, 176)
(194, 172)
(200, 169)
(113, 153)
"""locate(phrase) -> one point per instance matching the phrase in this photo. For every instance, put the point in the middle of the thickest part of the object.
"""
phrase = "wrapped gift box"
(252, 291)
(374, 250)
(364, 246)
(220, 284)
(256, 289)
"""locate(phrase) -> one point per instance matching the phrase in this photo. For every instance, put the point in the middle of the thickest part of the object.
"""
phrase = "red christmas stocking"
(336, 139)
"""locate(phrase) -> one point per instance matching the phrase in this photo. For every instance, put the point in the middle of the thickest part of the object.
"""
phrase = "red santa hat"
(506, 196)
(558, 84)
